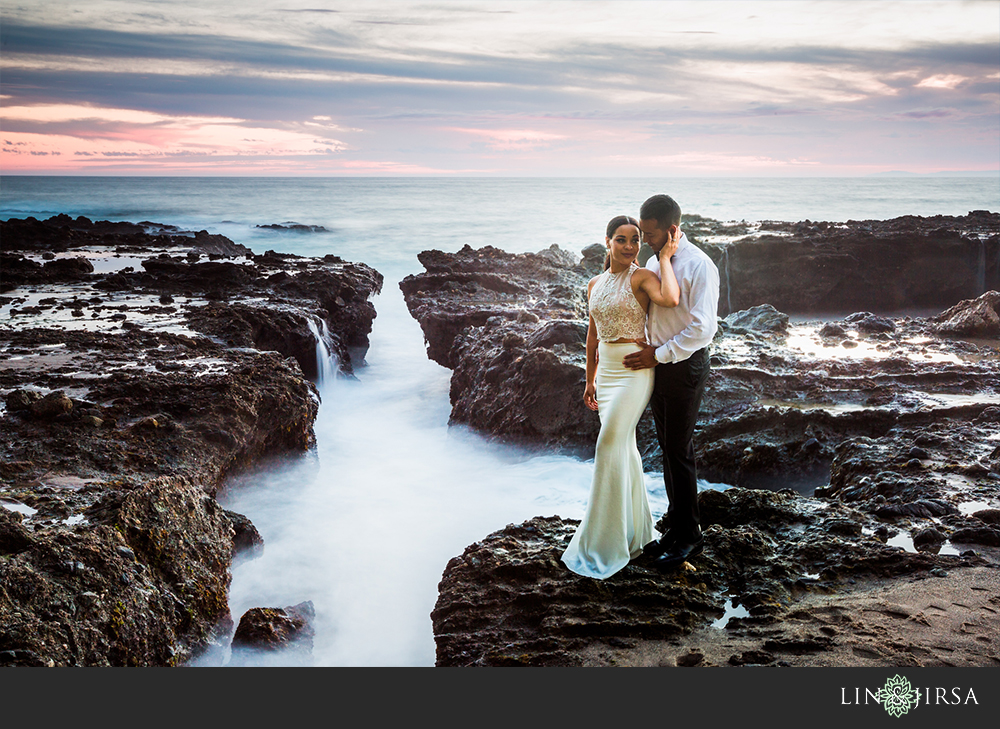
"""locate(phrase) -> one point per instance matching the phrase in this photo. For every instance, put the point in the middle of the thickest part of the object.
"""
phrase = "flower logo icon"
(897, 696)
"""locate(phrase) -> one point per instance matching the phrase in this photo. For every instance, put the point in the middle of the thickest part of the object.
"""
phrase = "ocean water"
(385, 222)
(364, 526)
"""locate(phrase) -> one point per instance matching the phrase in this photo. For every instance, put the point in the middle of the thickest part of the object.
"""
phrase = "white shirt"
(679, 332)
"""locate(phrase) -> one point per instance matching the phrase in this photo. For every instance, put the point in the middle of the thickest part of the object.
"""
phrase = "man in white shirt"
(679, 340)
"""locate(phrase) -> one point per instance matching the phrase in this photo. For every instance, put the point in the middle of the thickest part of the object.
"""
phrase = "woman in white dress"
(618, 522)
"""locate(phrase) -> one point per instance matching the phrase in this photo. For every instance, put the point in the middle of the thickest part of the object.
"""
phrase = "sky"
(502, 88)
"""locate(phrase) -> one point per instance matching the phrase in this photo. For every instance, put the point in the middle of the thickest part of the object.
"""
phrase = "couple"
(647, 342)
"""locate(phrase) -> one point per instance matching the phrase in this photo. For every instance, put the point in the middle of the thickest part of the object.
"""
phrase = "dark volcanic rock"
(524, 394)
(986, 536)
(51, 405)
(975, 317)
(247, 541)
(68, 269)
(14, 537)
(62, 233)
(143, 583)
(882, 266)
(296, 227)
(763, 318)
(865, 321)
(469, 287)
(119, 430)
(264, 631)
(220, 411)
(990, 516)
(300, 293)
(138, 480)
(513, 328)
(928, 539)
(832, 329)
(509, 601)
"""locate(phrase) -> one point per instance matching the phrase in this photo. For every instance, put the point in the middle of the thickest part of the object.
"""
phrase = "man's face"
(653, 235)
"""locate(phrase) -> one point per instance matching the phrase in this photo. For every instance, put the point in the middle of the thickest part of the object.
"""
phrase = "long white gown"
(617, 523)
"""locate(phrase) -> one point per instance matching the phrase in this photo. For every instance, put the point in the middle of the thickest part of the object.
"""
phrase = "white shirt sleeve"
(704, 301)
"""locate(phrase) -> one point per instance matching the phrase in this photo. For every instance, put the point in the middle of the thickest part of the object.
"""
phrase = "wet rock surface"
(513, 328)
(854, 452)
(784, 580)
(857, 265)
(781, 407)
(192, 281)
(131, 391)
(269, 633)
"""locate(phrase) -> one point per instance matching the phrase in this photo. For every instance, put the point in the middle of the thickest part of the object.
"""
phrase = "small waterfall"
(981, 269)
(725, 271)
(327, 365)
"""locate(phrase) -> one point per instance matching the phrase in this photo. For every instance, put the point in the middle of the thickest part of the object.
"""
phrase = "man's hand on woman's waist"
(644, 358)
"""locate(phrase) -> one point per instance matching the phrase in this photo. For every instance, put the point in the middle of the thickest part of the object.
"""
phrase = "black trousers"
(677, 392)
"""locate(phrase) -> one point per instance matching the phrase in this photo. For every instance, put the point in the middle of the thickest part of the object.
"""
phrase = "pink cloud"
(507, 139)
(942, 81)
(84, 136)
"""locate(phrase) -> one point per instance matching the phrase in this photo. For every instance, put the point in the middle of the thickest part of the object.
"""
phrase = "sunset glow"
(792, 87)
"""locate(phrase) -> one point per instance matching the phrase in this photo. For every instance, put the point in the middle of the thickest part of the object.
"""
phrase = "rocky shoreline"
(143, 367)
(862, 452)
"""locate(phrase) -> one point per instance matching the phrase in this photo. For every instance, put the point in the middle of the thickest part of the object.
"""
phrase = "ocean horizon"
(515, 214)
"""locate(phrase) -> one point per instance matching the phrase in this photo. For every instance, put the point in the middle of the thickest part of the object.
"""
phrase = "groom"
(679, 340)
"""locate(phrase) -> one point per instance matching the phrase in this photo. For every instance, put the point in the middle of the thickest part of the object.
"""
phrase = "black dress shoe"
(658, 546)
(678, 552)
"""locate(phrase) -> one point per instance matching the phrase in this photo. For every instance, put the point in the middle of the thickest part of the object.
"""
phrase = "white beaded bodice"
(616, 312)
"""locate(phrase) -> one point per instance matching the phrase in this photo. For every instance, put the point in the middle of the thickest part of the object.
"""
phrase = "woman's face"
(624, 244)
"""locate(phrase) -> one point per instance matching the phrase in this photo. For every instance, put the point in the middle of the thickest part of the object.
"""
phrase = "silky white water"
(364, 526)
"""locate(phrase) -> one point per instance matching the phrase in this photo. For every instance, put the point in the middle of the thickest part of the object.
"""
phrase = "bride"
(618, 523)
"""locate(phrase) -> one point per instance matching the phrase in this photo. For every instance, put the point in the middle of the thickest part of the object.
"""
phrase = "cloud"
(88, 132)
(929, 114)
(505, 139)
(557, 85)
(942, 81)
(715, 161)
(339, 55)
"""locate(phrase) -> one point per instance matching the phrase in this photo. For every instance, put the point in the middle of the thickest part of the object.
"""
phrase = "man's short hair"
(663, 209)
